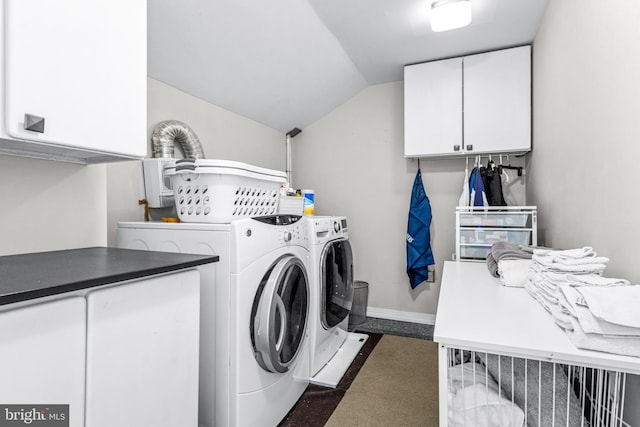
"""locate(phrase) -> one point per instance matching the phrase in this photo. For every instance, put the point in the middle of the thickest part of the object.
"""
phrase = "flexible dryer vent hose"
(167, 133)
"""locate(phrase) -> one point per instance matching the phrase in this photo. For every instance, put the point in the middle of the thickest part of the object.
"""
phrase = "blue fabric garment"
(419, 254)
(476, 188)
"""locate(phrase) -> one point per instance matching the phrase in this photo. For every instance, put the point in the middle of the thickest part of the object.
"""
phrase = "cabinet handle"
(469, 147)
(34, 123)
(456, 148)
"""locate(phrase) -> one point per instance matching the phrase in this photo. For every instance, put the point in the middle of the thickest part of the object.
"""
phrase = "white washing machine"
(332, 348)
(254, 358)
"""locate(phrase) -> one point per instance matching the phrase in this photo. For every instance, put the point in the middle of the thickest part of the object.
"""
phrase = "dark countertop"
(37, 275)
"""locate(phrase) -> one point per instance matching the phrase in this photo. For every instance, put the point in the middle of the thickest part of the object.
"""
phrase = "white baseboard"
(403, 316)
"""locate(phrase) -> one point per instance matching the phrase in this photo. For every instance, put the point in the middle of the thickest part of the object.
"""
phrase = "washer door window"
(279, 314)
(336, 282)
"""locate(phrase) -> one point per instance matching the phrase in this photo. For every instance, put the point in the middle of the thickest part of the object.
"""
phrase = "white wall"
(587, 134)
(353, 158)
(223, 135)
(587, 127)
(46, 205)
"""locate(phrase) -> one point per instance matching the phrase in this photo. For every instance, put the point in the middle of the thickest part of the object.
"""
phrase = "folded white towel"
(615, 304)
(562, 318)
(558, 262)
(514, 272)
(531, 288)
(584, 252)
(595, 268)
(540, 295)
(567, 298)
(552, 279)
(627, 346)
(594, 280)
(589, 323)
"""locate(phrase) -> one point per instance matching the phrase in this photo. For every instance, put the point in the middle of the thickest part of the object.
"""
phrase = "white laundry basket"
(220, 191)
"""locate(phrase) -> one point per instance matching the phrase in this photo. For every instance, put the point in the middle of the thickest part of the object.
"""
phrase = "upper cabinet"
(475, 104)
(433, 108)
(497, 101)
(74, 79)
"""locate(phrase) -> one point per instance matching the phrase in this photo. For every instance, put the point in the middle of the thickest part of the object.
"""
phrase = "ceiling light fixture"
(449, 14)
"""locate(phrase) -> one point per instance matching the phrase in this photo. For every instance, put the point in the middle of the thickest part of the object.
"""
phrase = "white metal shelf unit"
(477, 228)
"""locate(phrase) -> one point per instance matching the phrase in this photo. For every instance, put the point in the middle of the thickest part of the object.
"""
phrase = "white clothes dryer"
(332, 348)
(254, 360)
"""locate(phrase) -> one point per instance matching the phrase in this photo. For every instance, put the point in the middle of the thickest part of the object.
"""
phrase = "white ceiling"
(286, 63)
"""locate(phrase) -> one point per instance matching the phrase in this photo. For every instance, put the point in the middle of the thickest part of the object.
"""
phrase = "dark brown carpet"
(318, 403)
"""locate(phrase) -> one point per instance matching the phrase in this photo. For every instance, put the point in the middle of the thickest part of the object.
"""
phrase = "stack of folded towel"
(602, 317)
(510, 263)
(597, 313)
(550, 268)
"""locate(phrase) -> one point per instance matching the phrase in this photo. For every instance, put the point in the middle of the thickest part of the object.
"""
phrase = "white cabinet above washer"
(476, 104)
(74, 79)
(433, 108)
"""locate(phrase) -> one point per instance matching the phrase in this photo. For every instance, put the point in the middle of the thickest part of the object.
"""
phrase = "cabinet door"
(81, 65)
(142, 353)
(497, 101)
(42, 358)
(433, 108)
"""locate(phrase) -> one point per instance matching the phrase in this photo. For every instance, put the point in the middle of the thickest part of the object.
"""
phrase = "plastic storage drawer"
(490, 236)
(475, 252)
(494, 219)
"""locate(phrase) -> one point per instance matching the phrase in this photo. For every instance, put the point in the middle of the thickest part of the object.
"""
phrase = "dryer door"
(336, 282)
(279, 314)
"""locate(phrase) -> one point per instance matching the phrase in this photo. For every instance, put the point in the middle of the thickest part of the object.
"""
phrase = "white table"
(477, 313)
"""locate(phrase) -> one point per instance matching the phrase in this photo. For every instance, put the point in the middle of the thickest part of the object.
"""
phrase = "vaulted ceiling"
(287, 63)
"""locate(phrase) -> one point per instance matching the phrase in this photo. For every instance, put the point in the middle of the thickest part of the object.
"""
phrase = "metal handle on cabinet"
(33, 123)
(469, 147)
(456, 148)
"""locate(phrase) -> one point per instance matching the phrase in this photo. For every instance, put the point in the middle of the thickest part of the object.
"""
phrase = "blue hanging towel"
(419, 254)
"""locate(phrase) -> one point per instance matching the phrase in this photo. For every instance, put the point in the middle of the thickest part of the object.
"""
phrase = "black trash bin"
(358, 314)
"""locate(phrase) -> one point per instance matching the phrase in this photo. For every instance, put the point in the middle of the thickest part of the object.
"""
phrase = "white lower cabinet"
(121, 355)
(42, 359)
(142, 353)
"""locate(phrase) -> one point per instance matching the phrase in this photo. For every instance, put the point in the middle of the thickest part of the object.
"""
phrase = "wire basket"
(220, 191)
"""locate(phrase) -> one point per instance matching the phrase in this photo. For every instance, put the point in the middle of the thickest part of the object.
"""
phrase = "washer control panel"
(325, 228)
(340, 225)
(289, 229)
